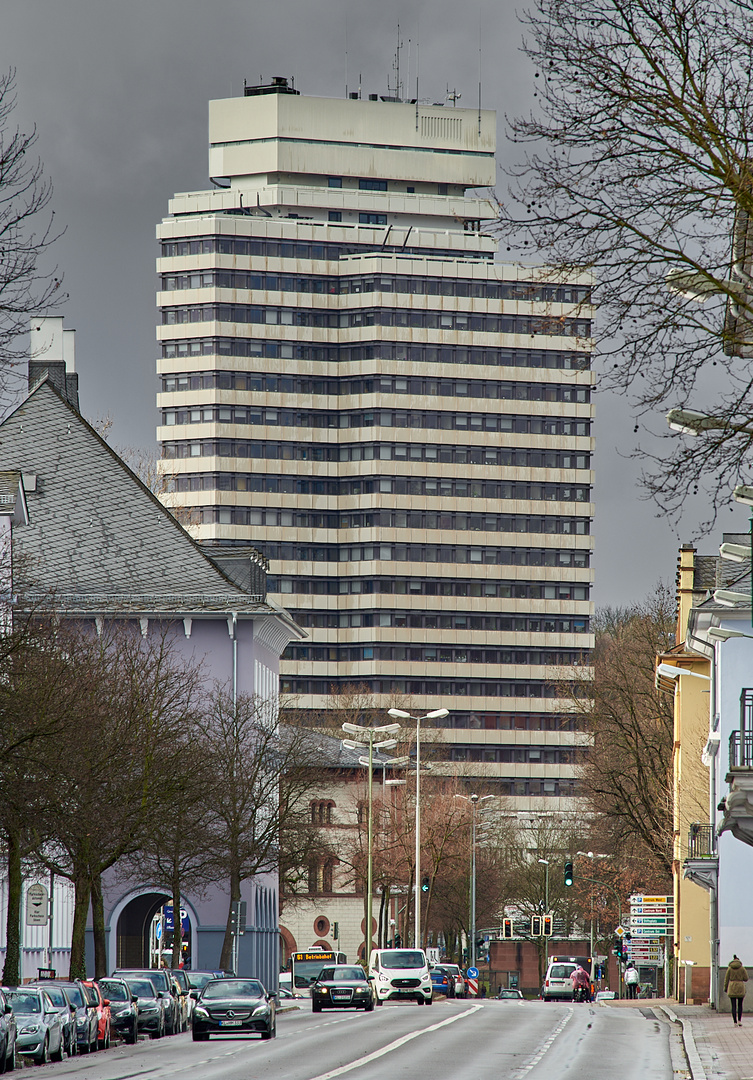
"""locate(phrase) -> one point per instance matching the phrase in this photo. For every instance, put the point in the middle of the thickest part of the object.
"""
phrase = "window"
(372, 219)
(334, 215)
(372, 185)
(321, 813)
(335, 181)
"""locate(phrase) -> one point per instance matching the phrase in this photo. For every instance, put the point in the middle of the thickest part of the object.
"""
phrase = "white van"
(400, 975)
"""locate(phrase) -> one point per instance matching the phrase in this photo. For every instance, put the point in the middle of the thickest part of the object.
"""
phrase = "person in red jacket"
(581, 985)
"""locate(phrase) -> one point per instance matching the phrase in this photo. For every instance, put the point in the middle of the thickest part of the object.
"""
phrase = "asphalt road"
(452, 1040)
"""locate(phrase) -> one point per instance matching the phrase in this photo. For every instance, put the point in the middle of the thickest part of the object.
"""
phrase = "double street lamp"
(375, 739)
(398, 714)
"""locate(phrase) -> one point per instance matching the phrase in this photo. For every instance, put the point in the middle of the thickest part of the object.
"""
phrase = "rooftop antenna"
(453, 96)
(346, 53)
(479, 72)
(396, 68)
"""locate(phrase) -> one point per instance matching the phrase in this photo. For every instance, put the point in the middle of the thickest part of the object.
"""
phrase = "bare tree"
(627, 774)
(639, 165)
(27, 231)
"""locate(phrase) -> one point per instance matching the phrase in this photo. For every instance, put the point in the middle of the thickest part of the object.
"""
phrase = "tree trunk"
(82, 894)
(98, 926)
(177, 923)
(12, 968)
(226, 957)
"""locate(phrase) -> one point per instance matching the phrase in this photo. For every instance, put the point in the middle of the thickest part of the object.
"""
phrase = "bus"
(305, 966)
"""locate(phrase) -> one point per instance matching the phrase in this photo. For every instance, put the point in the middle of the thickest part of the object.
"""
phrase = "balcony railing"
(741, 741)
(701, 842)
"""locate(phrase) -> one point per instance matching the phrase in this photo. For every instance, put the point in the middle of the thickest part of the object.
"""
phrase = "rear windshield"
(402, 958)
(74, 994)
(561, 971)
(56, 996)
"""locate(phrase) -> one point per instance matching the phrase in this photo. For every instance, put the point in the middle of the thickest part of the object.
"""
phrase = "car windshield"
(75, 996)
(508, 993)
(114, 991)
(91, 993)
(402, 958)
(142, 988)
(343, 974)
(56, 996)
(25, 1002)
(232, 988)
(198, 980)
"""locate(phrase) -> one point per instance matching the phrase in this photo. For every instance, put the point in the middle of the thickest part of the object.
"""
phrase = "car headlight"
(82, 1022)
(30, 1029)
(322, 990)
(361, 990)
(201, 1013)
(260, 1010)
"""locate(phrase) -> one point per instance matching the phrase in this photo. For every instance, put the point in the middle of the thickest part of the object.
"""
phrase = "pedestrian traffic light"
(547, 926)
(568, 873)
(535, 926)
(425, 884)
(507, 928)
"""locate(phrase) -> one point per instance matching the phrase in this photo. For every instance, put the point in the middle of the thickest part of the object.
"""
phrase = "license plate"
(230, 1023)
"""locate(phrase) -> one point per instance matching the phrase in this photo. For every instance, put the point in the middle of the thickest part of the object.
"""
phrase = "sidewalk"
(715, 1048)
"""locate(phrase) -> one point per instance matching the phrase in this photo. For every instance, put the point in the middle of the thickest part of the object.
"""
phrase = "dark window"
(334, 215)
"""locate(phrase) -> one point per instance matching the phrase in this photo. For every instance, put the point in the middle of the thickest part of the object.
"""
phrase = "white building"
(401, 424)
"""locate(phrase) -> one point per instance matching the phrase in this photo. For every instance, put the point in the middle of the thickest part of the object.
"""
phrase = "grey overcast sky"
(118, 90)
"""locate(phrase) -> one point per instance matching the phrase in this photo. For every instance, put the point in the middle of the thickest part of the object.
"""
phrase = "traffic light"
(507, 928)
(547, 926)
(535, 926)
(335, 931)
(568, 873)
(425, 883)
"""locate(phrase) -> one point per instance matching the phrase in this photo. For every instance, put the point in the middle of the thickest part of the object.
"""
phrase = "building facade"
(350, 381)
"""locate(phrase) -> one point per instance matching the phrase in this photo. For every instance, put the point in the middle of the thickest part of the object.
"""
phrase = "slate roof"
(98, 539)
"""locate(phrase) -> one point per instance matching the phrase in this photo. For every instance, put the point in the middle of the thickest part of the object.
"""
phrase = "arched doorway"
(133, 933)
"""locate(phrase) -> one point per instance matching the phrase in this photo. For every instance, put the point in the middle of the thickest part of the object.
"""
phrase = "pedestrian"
(632, 978)
(734, 988)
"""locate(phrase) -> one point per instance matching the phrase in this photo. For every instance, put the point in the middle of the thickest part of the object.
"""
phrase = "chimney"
(52, 353)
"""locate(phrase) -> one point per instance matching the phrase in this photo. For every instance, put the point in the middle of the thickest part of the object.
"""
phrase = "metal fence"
(741, 741)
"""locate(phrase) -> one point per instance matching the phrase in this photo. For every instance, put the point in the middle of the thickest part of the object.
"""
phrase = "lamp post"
(474, 800)
(606, 885)
(545, 862)
(398, 714)
(368, 736)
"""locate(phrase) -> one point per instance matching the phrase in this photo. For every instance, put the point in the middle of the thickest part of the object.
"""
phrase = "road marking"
(544, 1046)
(394, 1045)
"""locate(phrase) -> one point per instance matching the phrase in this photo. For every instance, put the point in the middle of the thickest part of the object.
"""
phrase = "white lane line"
(394, 1045)
(544, 1046)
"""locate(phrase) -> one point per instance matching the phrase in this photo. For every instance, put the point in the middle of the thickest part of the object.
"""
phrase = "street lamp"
(592, 855)
(545, 862)
(474, 800)
(368, 736)
(437, 714)
(606, 885)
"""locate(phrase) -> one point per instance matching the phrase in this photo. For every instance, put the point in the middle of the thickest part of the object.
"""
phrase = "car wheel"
(200, 1036)
(378, 1001)
(369, 1007)
(58, 1054)
(94, 1045)
(43, 1057)
(133, 1036)
(269, 1033)
(4, 1058)
(428, 1001)
(10, 1062)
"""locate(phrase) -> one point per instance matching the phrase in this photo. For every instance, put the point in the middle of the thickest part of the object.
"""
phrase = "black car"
(151, 1015)
(163, 983)
(7, 1035)
(233, 1007)
(124, 1009)
(342, 987)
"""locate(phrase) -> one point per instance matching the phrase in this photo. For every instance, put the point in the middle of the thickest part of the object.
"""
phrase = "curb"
(695, 1064)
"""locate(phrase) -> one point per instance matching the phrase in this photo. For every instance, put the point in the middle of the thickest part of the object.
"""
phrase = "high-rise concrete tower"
(352, 384)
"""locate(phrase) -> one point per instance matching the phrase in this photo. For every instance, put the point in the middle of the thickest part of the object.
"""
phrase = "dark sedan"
(342, 987)
(124, 1010)
(233, 1007)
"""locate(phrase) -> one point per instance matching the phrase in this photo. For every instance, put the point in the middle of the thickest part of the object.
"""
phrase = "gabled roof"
(97, 538)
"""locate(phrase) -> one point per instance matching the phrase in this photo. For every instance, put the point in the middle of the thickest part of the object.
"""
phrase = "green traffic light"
(568, 873)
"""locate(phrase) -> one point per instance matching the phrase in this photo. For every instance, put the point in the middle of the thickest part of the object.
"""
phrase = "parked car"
(67, 1011)
(197, 980)
(86, 1013)
(233, 1006)
(162, 981)
(181, 978)
(103, 1013)
(38, 1024)
(344, 986)
(461, 987)
(151, 1008)
(441, 981)
(124, 1009)
(7, 1035)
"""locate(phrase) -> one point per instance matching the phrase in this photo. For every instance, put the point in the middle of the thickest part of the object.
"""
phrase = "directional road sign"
(472, 973)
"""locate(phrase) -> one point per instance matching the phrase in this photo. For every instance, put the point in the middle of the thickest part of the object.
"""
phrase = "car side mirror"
(271, 996)
(194, 994)
(8, 1008)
